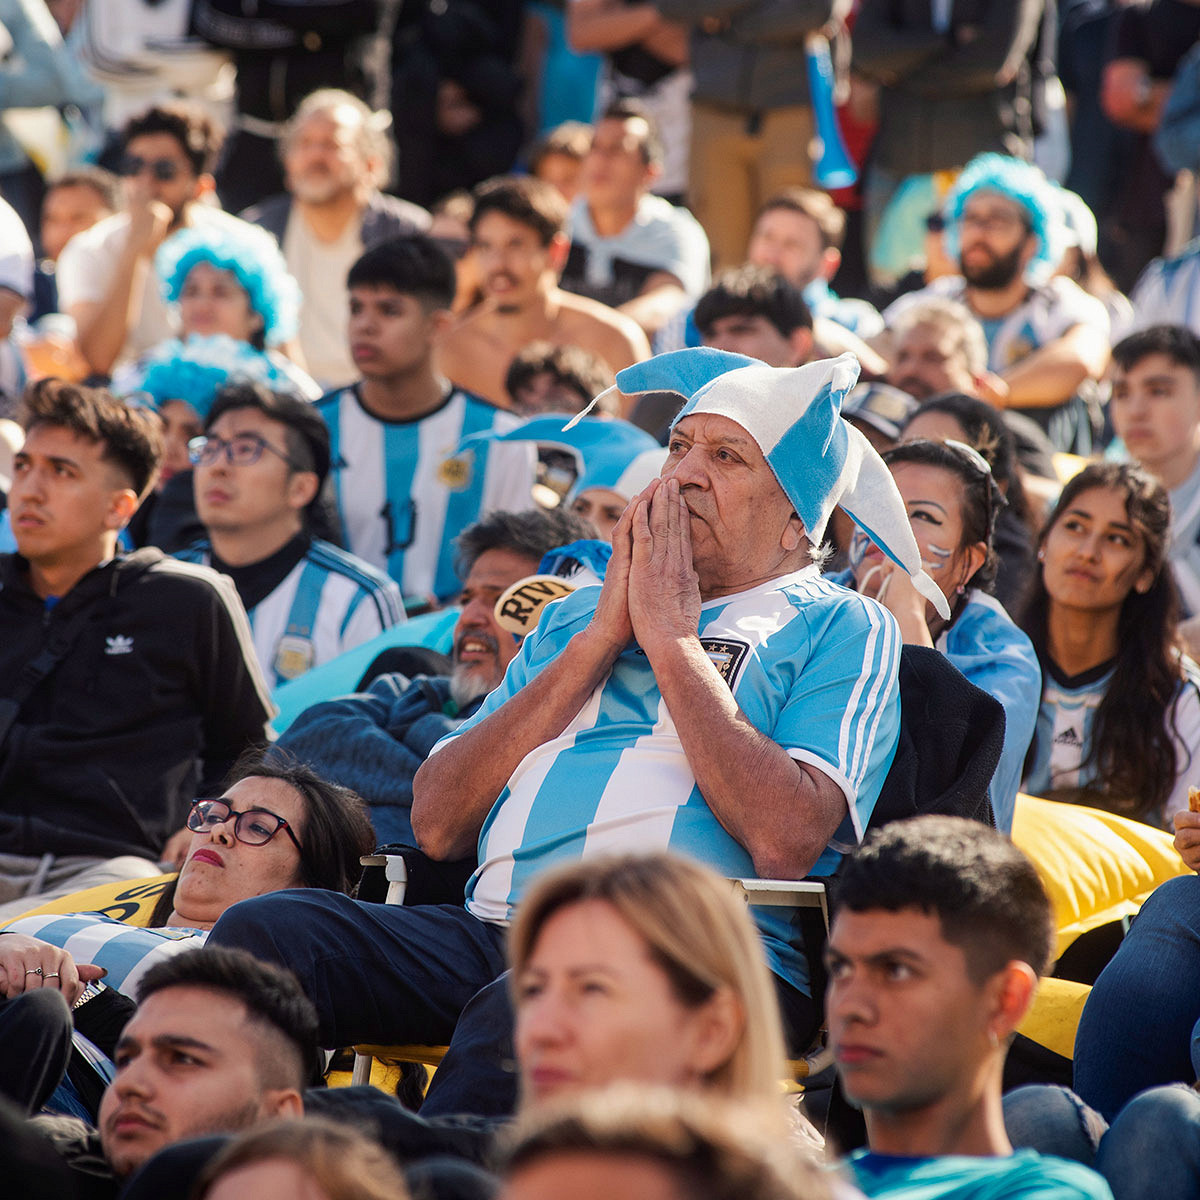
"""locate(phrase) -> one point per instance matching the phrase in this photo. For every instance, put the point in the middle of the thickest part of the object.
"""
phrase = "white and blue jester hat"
(608, 453)
(794, 414)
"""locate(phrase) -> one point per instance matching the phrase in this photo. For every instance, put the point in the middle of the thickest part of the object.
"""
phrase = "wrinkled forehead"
(717, 429)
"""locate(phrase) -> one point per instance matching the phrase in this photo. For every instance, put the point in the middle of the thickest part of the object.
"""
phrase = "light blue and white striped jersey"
(1045, 314)
(1064, 735)
(1183, 552)
(1168, 291)
(402, 502)
(812, 665)
(994, 654)
(126, 952)
(329, 602)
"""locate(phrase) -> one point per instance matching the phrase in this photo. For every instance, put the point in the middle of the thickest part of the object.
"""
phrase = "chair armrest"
(787, 893)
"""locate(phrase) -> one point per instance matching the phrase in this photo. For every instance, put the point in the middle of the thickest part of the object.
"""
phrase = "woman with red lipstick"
(1119, 723)
(278, 825)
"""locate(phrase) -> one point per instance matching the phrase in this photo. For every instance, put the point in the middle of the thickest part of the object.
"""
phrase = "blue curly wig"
(195, 370)
(254, 259)
(1027, 186)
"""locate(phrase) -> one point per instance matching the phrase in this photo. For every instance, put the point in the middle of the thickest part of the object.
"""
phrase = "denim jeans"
(1153, 1147)
(1137, 1026)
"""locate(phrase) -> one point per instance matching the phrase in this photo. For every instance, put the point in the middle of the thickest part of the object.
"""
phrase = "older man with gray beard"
(374, 742)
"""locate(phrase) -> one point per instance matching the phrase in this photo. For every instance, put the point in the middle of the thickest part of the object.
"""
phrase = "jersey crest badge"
(294, 656)
(727, 656)
(455, 473)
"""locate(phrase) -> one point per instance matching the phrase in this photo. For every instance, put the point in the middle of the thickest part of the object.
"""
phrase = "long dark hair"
(1132, 750)
(981, 497)
(337, 827)
(984, 428)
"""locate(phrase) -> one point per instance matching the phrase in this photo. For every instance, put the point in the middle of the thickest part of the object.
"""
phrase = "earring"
(993, 1039)
(961, 590)
(1041, 556)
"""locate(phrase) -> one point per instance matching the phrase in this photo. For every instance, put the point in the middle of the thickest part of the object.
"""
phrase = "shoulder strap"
(57, 647)
(60, 642)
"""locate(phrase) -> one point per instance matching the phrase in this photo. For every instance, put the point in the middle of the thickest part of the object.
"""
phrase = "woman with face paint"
(1119, 724)
(952, 502)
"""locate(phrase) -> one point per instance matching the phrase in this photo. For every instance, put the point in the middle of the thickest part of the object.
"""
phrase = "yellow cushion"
(1054, 1017)
(128, 900)
(1096, 867)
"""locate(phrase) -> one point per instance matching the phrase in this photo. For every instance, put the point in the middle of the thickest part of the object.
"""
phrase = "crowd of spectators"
(587, 449)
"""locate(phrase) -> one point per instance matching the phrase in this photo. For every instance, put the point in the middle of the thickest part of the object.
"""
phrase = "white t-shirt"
(320, 268)
(89, 260)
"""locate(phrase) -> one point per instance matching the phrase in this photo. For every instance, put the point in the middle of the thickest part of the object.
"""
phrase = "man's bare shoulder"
(601, 329)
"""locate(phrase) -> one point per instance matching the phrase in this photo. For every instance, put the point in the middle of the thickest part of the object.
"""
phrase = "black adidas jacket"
(157, 697)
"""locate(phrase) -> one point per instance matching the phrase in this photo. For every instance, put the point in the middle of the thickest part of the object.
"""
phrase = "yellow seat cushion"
(1095, 866)
(1054, 1017)
(128, 900)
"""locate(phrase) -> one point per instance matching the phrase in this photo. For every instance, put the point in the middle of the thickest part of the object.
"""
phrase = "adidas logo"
(119, 644)
(1069, 737)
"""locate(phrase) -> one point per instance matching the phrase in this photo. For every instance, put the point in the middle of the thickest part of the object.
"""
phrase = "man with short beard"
(1047, 339)
(336, 157)
(374, 742)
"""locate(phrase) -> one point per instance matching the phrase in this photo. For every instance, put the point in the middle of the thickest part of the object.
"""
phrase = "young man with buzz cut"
(403, 492)
(518, 233)
(1155, 410)
(259, 468)
(941, 929)
(128, 682)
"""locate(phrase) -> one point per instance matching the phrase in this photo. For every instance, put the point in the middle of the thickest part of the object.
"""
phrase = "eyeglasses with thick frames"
(163, 169)
(241, 450)
(254, 827)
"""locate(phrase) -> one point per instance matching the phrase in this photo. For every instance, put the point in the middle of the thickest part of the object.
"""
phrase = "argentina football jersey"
(329, 602)
(811, 665)
(1066, 727)
(403, 499)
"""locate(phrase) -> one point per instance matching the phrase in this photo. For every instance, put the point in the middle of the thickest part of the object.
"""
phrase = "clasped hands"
(651, 591)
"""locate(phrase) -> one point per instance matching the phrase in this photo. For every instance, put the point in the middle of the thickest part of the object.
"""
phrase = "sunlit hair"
(1132, 751)
(371, 134)
(695, 929)
(711, 1148)
(342, 1163)
(947, 316)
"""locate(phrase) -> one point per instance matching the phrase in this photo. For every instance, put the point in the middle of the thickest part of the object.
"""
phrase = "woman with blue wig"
(226, 283)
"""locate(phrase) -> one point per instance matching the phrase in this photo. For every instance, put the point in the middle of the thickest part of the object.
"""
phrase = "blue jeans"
(1137, 1026)
(388, 974)
(1052, 1120)
(1153, 1147)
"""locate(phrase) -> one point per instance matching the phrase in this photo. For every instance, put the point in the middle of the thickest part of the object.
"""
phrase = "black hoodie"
(156, 698)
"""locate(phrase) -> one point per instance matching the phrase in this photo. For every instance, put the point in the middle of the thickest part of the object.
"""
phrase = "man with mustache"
(374, 742)
(1047, 339)
(714, 697)
(336, 157)
(218, 1044)
(519, 241)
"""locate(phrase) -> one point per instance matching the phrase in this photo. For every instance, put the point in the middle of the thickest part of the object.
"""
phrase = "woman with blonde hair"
(644, 968)
(310, 1159)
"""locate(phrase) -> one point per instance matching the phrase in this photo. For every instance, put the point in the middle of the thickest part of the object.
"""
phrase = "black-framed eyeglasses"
(241, 450)
(254, 827)
(163, 169)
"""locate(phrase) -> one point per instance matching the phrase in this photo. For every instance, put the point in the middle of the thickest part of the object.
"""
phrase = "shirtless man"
(517, 231)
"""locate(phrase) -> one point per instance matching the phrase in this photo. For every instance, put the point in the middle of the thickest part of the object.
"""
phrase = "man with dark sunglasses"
(105, 275)
(259, 467)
